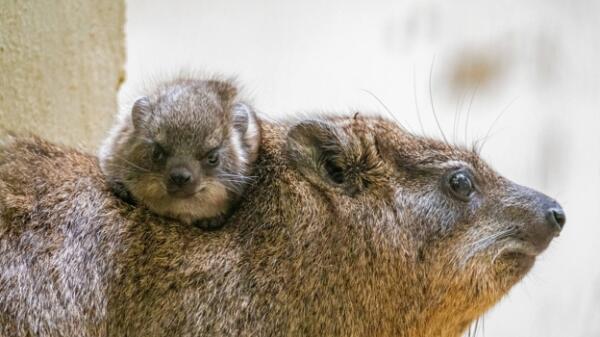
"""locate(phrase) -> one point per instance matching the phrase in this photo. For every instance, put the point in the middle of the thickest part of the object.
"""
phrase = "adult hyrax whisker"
(482, 244)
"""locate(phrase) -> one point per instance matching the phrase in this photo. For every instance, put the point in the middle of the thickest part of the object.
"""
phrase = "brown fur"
(384, 253)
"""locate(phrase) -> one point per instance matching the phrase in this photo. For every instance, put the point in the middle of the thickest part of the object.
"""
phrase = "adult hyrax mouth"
(518, 247)
(520, 254)
(539, 219)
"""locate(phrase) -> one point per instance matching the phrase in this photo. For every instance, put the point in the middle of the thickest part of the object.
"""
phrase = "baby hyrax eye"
(213, 158)
(158, 153)
(460, 185)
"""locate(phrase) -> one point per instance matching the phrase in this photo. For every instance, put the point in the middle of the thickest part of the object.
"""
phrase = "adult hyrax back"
(353, 228)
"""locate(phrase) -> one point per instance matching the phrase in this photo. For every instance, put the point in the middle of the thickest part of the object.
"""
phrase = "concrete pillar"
(61, 65)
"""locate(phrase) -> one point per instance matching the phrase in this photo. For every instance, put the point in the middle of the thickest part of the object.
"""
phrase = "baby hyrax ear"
(320, 151)
(244, 120)
(242, 116)
(141, 112)
(226, 90)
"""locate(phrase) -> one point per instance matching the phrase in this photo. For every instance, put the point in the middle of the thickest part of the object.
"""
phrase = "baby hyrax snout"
(181, 181)
(185, 176)
(541, 217)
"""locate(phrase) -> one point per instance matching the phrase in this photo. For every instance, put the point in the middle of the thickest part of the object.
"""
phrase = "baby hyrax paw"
(119, 189)
(211, 224)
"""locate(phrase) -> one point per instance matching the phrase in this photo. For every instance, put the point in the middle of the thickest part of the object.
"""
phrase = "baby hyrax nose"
(180, 176)
(555, 216)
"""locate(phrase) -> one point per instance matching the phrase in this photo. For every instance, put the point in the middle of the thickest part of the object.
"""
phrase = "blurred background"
(522, 75)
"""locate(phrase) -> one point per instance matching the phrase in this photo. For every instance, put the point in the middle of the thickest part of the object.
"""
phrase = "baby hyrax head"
(461, 234)
(185, 150)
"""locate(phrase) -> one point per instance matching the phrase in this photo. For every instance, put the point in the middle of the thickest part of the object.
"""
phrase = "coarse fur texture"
(349, 230)
(185, 149)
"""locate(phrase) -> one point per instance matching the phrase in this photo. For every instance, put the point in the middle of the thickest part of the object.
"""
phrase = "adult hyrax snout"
(544, 217)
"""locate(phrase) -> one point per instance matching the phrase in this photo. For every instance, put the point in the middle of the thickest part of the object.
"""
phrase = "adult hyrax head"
(433, 232)
(184, 150)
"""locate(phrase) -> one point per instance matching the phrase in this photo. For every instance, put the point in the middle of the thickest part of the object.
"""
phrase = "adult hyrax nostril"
(556, 217)
(180, 176)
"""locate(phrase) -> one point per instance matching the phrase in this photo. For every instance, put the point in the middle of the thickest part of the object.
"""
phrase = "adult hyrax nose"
(542, 216)
(556, 217)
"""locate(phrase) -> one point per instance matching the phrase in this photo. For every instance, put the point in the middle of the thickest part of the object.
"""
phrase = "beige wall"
(61, 65)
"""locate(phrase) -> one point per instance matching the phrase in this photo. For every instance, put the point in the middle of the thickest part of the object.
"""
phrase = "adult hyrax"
(354, 227)
(184, 151)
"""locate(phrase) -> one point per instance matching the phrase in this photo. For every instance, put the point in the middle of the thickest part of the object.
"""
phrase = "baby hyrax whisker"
(129, 163)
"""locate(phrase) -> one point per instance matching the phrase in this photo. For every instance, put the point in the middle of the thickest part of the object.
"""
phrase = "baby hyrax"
(184, 151)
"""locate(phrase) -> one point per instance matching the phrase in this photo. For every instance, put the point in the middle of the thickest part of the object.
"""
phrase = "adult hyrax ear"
(141, 112)
(319, 150)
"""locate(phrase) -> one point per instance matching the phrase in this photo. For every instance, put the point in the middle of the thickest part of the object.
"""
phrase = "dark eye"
(213, 158)
(158, 153)
(336, 174)
(461, 185)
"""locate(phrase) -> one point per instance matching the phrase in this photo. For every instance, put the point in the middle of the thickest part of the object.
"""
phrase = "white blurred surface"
(539, 60)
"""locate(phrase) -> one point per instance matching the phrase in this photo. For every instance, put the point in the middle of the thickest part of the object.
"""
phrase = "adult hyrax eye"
(335, 173)
(460, 185)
